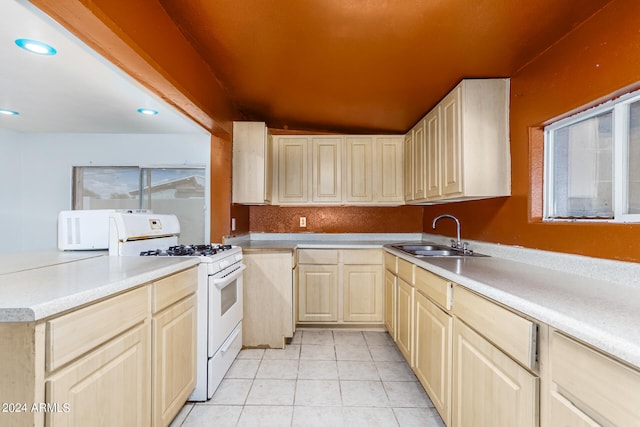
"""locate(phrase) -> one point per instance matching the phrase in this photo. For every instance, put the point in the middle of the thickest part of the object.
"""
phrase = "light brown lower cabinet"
(128, 360)
(404, 326)
(432, 353)
(390, 295)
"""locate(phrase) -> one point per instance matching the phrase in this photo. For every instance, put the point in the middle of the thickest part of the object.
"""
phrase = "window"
(179, 191)
(592, 164)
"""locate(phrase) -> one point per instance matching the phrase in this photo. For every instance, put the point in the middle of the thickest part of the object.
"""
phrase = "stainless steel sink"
(428, 249)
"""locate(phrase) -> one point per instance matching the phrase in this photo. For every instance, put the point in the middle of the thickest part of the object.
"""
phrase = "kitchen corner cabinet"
(252, 163)
(340, 286)
(269, 300)
(589, 388)
(174, 344)
(466, 138)
(96, 365)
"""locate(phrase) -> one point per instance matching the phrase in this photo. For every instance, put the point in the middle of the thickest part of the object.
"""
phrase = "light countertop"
(596, 301)
(50, 289)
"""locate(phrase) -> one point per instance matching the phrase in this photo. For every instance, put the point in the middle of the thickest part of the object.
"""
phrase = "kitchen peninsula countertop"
(55, 283)
(596, 301)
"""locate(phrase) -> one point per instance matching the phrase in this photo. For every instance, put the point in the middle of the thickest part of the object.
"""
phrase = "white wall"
(36, 173)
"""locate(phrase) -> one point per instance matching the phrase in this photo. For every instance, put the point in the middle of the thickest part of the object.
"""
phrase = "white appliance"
(219, 295)
(88, 229)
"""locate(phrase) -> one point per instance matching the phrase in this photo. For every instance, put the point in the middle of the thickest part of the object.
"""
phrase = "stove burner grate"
(187, 250)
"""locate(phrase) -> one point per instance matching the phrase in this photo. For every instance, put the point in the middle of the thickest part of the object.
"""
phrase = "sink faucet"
(457, 244)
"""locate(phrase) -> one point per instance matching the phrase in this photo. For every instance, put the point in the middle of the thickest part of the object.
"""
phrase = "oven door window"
(228, 297)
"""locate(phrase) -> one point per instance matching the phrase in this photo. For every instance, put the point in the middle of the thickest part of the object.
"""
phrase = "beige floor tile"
(278, 369)
(405, 394)
(385, 353)
(363, 393)
(231, 392)
(357, 370)
(251, 353)
(290, 352)
(297, 337)
(265, 416)
(349, 338)
(369, 417)
(317, 352)
(418, 417)
(313, 416)
(351, 352)
(243, 368)
(210, 415)
(318, 393)
(271, 392)
(182, 415)
(378, 338)
(317, 337)
(395, 371)
(317, 370)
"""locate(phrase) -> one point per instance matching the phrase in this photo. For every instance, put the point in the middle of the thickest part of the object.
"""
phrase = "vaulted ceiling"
(364, 65)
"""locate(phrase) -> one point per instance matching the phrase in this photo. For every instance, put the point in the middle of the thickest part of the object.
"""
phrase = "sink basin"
(432, 250)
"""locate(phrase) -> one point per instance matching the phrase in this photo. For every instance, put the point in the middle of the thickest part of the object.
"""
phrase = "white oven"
(219, 295)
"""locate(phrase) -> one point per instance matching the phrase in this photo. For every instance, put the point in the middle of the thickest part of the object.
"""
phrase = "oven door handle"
(227, 280)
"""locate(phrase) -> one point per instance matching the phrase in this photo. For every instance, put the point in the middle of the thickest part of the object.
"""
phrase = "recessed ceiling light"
(8, 112)
(35, 46)
(147, 111)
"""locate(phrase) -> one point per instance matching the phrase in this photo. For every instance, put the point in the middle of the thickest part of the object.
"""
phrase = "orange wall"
(599, 58)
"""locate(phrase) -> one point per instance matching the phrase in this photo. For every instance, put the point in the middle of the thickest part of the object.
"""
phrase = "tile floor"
(322, 378)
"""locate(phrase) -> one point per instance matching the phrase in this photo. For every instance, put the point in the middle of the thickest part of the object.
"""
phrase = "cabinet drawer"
(434, 287)
(74, 334)
(596, 385)
(173, 288)
(391, 262)
(362, 256)
(405, 271)
(318, 256)
(515, 335)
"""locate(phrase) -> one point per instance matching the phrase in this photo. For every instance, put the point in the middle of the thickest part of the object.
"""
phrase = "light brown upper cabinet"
(461, 147)
(252, 163)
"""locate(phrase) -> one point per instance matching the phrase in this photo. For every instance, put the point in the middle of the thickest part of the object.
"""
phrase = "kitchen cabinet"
(491, 348)
(326, 169)
(252, 163)
(174, 344)
(293, 170)
(466, 140)
(404, 325)
(432, 337)
(269, 300)
(101, 361)
(373, 171)
(408, 172)
(390, 293)
(340, 286)
(586, 387)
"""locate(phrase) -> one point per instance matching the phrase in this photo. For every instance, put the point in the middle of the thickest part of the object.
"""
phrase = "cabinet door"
(317, 293)
(408, 166)
(359, 169)
(174, 359)
(388, 173)
(292, 170)
(489, 388)
(252, 163)
(390, 296)
(419, 162)
(433, 187)
(363, 293)
(432, 352)
(451, 160)
(111, 384)
(405, 320)
(326, 169)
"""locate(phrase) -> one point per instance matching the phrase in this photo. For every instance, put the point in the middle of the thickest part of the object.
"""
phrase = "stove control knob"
(224, 264)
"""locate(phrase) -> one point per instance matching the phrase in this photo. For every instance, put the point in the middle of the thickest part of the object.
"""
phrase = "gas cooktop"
(188, 250)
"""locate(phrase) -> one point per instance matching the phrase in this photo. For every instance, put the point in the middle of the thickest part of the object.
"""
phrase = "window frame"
(619, 108)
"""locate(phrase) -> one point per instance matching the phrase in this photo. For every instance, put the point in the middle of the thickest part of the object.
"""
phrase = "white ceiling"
(75, 91)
